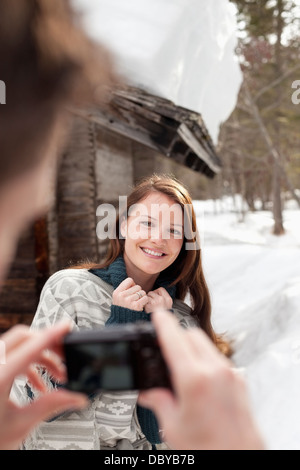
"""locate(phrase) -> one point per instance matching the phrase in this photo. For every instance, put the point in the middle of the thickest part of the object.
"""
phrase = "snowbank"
(254, 278)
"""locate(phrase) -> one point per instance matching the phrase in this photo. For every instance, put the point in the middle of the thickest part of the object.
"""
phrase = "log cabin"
(107, 151)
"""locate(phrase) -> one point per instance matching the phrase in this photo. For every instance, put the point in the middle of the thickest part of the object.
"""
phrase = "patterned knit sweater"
(110, 422)
(114, 274)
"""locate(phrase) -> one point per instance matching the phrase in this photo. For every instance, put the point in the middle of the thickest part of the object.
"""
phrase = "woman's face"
(153, 233)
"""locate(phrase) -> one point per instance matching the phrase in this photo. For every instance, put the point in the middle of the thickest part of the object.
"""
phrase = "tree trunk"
(277, 202)
(277, 207)
(290, 187)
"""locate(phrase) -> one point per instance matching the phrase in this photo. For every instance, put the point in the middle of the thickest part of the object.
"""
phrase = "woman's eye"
(146, 223)
(175, 232)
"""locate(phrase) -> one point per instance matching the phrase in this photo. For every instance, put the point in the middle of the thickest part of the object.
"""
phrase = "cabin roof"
(155, 122)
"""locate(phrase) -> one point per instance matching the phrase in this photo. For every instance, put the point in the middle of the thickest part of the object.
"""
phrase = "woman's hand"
(158, 299)
(130, 295)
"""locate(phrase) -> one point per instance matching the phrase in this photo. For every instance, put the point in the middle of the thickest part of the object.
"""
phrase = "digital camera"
(117, 357)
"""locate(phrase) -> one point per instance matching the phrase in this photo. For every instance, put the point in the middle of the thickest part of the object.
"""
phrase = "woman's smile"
(153, 253)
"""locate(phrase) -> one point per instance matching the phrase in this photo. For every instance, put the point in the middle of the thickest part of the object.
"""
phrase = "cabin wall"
(18, 294)
(114, 176)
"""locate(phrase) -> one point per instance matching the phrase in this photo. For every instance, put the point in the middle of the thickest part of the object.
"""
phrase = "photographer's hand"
(210, 409)
(130, 295)
(158, 298)
(23, 350)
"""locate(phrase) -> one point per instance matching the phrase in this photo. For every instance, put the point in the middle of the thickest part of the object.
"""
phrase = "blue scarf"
(114, 275)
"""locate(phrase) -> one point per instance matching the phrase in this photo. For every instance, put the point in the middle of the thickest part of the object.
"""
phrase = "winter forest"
(259, 143)
(252, 240)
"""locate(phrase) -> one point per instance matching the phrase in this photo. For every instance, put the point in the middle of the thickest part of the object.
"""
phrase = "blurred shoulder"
(184, 313)
(71, 280)
(73, 274)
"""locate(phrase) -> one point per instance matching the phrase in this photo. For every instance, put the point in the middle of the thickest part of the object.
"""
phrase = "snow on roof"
(181, 50)
(157, 123)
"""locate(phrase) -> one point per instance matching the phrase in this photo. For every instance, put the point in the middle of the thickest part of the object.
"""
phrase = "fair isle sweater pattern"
(110, 422)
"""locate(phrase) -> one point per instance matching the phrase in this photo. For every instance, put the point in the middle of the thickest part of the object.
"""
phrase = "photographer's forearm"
(210, 409)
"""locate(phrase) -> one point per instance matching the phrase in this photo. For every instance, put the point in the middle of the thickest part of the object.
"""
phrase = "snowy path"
(254, 279)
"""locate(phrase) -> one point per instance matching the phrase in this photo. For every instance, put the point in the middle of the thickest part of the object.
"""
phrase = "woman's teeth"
(153, 253)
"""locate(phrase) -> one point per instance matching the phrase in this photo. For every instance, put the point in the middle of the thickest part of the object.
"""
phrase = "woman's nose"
(158, 236)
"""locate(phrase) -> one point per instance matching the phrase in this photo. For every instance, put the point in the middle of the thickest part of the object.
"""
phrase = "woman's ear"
(123, 227)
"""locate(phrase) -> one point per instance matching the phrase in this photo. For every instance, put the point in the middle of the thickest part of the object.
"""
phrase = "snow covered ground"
(254, 279)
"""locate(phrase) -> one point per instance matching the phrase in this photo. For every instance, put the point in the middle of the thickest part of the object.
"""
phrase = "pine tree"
(265, 123)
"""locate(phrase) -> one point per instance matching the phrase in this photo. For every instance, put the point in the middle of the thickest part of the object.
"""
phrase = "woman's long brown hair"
(187, 270)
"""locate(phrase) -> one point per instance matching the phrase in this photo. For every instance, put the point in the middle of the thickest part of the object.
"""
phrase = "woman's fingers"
(136, 295)
(159, 298)
(125, 285)
(130, 295)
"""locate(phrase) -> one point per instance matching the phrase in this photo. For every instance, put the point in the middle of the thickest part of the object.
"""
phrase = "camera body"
(117, 357)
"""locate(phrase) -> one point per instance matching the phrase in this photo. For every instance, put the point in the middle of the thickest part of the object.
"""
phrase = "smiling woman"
(148, 266)
(152, 243)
